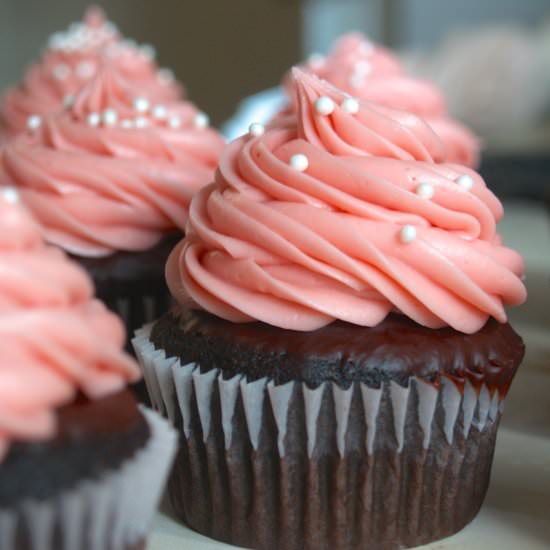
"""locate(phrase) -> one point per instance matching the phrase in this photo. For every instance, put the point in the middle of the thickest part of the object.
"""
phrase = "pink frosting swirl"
(296, 235)
(113, 171)
(57, 339)
(371, 73)
(72, 59)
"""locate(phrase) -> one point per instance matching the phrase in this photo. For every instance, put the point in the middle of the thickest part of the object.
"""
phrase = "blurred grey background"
(224, 50)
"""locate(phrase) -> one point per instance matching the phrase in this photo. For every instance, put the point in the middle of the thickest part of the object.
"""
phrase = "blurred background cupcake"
(81, 466)
(110, 178)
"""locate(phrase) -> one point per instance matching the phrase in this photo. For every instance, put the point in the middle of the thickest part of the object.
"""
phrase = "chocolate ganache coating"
(92, 438)
(394, 350)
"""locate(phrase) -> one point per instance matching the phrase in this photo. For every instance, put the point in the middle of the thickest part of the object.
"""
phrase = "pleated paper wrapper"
(288, 467)
(113, 512)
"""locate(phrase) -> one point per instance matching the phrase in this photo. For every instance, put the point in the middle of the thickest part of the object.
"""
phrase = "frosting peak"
(57, 339)
(309, 224)
(373, 74)
(347, 126)
(71, 59)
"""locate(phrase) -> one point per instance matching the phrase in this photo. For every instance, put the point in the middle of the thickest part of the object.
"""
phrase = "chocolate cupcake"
(70, 60)
(373, 73)
(340, 355)
(81, 465)
(110, 179)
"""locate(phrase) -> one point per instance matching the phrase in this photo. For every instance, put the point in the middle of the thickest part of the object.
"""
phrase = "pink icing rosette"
(56, 339)
(71, 60)
(372, 73)
(346, 215)
(114, 171)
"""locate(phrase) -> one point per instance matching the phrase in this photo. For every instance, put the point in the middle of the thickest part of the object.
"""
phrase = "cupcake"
(372, 73)
(71, 59)
(81, 465)
(339, 356)
(110, 179)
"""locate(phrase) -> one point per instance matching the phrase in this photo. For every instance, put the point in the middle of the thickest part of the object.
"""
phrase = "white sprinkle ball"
(93, 119)
(366, 47)
(109, 117)
(425, 190)
(201, 120)
(174, 121)
(141, 122)
(407, 234)
(363, 67)
(160, 112)
(166, 75)
(316, 60)
(61, 71)
(85, 70)
(465, 181)
(34, 122)
(68, 101)
(299, 162)
(148, 51)
(141, 104)
(350, 105)
(324, 105)
(10, 195)
(127, 123)
(256, 129)
(357, 80)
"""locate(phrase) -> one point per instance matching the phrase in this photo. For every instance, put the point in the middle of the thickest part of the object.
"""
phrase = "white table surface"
(516, 512)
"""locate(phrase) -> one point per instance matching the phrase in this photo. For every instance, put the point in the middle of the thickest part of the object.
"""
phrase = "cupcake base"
(111, 510)
(288, 466)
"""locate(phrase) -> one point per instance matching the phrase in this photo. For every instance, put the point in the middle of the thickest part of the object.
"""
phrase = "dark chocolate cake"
(396, 349)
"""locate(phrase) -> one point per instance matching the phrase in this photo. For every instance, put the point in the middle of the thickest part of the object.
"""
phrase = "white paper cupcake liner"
(113, 512)
(288, 467)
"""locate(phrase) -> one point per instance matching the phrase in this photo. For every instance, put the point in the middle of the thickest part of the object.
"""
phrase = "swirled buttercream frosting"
(57, 340)
(114, 171)
(345, 215)
(372, 73)
(70, 60)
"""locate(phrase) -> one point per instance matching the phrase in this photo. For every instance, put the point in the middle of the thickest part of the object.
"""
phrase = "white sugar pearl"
(363, 67)
(174, 121)
(109, 117)
(93, 119)
(166, 75)
(407, 234)
(127, 123)
(299, 162)
(201, 120)
(61, 71)
(316, 60)
(324, 105)
(350, 105)
(256, 129)
(34, 122)
(148, 51)
(141, 122)
(10, 195)
(85, 70)
(141, 104)
(160, 112)
(465, 181)
(425, 190)
(68, 101)
(357, 80)
(366, 47)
